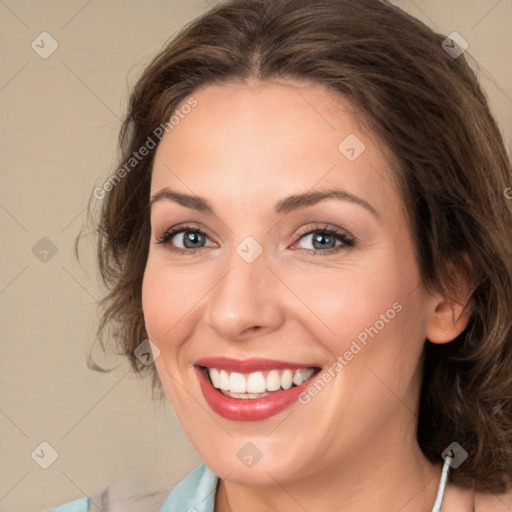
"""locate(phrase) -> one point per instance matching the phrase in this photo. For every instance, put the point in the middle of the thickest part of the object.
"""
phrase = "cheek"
(156, 305)
(385, 328)
(344, 302)
(372, 310)
(169, 300)
(165, 310)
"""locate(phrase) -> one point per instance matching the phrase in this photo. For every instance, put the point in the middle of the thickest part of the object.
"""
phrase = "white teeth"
(257, 384)
(273, 381)
(287, 379)
(215, 376)
(223, 380)
(306, 374)
(245, 395)
(237, 383)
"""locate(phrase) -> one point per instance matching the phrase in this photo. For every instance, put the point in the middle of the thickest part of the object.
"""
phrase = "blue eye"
(323, 238)
(188, 235)
(190, 238)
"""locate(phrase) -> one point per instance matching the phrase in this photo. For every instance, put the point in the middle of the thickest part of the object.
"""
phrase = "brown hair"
(430, 112)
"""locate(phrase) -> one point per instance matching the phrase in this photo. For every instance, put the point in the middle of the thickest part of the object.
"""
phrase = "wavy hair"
(453, 174)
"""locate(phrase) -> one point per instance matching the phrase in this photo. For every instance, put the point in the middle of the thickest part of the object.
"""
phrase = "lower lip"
(248, 409)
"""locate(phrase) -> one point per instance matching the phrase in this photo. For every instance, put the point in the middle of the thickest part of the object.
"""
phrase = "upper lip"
(248, 365)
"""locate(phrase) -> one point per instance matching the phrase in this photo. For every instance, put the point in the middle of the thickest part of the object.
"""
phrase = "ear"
(450, 312)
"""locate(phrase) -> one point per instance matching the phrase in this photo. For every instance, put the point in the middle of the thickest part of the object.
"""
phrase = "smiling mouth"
(257, 384)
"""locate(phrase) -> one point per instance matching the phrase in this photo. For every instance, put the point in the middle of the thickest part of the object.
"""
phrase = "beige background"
(59, 122)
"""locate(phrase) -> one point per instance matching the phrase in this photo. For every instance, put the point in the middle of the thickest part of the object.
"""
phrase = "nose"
(246, 301)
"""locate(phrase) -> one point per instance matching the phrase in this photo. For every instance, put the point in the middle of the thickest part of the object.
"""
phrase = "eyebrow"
(284, 206)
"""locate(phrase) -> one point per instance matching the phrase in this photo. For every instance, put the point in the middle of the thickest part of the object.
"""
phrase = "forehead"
(248, 143)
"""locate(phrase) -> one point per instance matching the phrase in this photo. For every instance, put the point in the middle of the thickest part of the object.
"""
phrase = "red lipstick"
(248, 409)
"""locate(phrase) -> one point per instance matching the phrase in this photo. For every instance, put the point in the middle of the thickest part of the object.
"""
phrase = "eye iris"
(191, 236)
(320, 238)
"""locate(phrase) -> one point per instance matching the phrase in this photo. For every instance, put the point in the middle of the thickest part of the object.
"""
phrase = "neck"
(377, 480)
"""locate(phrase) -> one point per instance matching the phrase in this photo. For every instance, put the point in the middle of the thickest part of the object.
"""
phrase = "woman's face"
(254, 277)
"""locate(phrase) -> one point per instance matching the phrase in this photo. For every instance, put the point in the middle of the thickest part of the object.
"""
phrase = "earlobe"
(449, 317)
(447, 321)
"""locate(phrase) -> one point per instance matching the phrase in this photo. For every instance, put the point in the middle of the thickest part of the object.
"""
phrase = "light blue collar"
(195, 493)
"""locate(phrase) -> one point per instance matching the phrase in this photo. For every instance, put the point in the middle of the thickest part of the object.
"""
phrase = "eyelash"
(346, 238)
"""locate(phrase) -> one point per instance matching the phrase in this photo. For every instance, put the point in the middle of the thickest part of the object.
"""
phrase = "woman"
(310, 222)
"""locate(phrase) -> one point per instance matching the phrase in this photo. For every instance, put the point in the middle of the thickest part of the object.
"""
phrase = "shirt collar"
(195, 493)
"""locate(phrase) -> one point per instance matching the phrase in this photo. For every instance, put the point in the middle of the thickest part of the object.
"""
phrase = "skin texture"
(353, 446)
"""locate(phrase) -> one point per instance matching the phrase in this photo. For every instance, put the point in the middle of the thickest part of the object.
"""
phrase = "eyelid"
(171, 232)
(324, 227)
(346, 238)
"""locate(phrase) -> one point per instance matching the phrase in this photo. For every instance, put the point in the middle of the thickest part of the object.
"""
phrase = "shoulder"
(195, 492)
(489, 502)
(79, 505)
(134, 495)
(460, 499)
(126, 495)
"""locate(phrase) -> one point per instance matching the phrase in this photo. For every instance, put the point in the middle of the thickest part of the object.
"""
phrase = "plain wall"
(60, 118)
